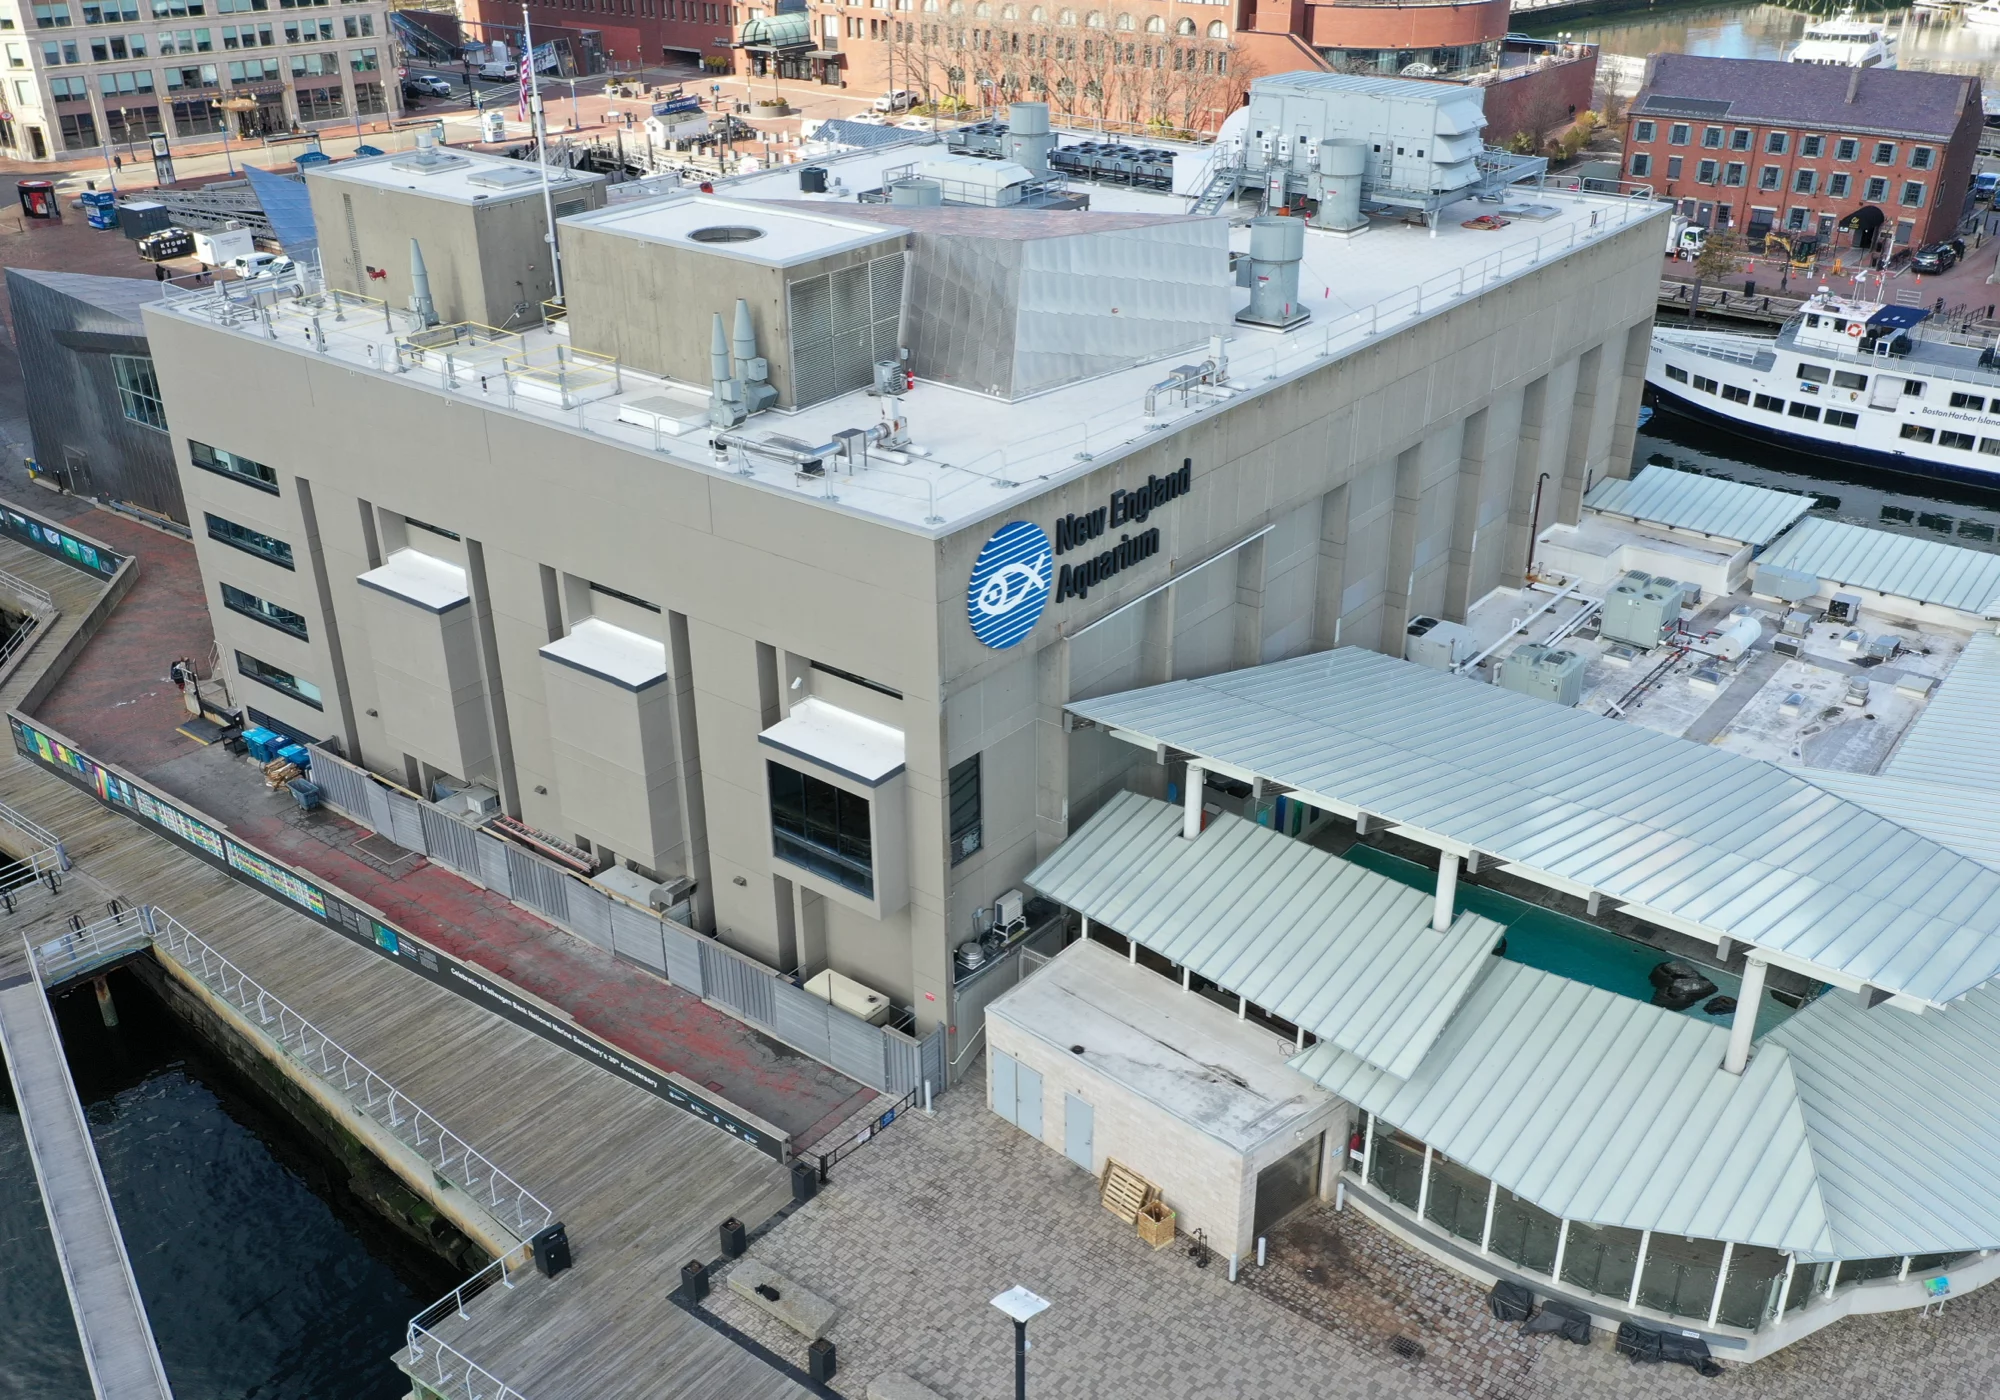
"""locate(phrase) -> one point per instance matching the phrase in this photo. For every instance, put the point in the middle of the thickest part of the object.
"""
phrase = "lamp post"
(1021, 1305)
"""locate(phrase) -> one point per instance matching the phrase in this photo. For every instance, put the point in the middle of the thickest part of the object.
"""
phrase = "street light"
(1021, 1305)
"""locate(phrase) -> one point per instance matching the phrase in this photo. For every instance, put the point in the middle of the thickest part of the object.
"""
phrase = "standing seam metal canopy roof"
(1324, 943)
(1601, 1108)
(1706, 505)
(1680, 832)
(1902, 566)
(1957, 737)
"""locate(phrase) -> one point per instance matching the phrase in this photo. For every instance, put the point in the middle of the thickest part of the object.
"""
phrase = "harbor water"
(262, 1276)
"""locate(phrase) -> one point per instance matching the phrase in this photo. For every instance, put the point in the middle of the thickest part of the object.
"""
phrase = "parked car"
(1985, 183)
(431, 83)
(1939, 257)
(901, 100)
(252, 266)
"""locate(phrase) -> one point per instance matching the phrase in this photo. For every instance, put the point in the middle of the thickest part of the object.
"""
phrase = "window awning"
(854, 746)
(624, 658)
(436, 585)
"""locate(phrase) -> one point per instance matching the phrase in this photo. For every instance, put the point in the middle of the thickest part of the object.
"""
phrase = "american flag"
(527, 80)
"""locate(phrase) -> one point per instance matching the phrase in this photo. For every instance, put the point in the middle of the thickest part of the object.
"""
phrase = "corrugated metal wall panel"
(637, 935)
(378, 810)
(538, 884)
(683, 953)
(859, 1050)
(802, 1021)
(450, 840)
(342, 785)
(493, 864)
(406, 822)
(589, 913)
(738, 985)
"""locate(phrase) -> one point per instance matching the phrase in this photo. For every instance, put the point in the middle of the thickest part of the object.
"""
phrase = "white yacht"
(1846, 41)
(1986, 12)
(1855, 380)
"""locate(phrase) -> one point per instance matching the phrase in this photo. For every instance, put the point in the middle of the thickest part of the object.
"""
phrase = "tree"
(1721, 254)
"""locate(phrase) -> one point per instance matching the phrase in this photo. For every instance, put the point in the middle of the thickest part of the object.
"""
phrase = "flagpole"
(534, 85)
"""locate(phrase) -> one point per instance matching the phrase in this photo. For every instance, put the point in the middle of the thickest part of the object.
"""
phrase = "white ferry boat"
(1986, 12)
(1854, 380)
(1846, 42)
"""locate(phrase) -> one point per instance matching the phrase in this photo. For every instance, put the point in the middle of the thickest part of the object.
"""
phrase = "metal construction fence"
(881, 1057)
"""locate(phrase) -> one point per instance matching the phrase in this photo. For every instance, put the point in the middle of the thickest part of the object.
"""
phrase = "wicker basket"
(1156, 1224)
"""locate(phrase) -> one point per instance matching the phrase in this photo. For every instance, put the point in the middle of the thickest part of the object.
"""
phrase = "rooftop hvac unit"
(479, 803)
(1738, 635)
(1545, 673)
(1845, 607)
(1786, 585)
(1641, 615)
(1438, 645)
(1797, 623)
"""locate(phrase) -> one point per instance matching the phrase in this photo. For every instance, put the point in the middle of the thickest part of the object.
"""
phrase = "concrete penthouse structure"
(772, 564)
(81, 73)
(1880, 154)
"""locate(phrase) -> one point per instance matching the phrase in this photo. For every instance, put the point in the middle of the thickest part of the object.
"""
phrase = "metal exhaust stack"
(752, 371)
(1277, 246)
(1029, 140)
(420, 286)
(725, 406)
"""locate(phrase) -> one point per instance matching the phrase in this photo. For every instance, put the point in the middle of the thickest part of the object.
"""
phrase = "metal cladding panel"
(1902, 566)
(1101, 301)
(343, 785)
(1604, 1109)
(449, 840)
(1340, 950)
(406, 823)
(1705, 505)
(493, 871)
(590, 915)
(1675, 830)
(637, 935)
(1962, 817)
(1903, 1113)
(961, 322)
(683, 954)
(1957, 735)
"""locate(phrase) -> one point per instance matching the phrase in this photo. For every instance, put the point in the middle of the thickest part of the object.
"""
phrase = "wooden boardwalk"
(111, 1320)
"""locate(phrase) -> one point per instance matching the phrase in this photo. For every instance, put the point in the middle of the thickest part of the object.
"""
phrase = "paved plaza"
(921, 1227)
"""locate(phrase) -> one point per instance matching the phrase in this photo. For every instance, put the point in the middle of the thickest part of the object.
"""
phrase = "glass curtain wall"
(1457, 1202)
(1601, 1259)
(1680, 1275)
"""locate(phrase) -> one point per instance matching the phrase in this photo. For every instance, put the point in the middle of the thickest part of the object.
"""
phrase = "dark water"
(263, 1280)
(1937, 510)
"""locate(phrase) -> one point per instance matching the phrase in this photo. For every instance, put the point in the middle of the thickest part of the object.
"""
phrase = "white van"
(498, 72)
(251, 266)
(901, 100)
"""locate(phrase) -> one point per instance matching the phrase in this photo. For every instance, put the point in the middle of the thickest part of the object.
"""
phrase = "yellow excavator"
(1800, 250)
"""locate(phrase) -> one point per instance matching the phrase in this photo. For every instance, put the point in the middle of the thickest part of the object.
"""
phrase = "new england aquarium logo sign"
(1009, 585)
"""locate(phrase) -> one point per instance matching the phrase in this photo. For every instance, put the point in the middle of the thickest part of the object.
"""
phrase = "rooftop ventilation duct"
(420, 286)
(1342, 167)
(741, 377)
(1277, 245)
(916, 194)
(1028, 140)
(428, 158)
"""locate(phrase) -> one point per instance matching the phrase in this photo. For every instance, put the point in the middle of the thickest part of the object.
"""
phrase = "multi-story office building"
(1803, 148)
(773, 564)
(83, 74)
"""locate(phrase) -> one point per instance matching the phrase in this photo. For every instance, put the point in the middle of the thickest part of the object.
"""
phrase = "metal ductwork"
(741, 377)
(420, 286)
(1029, 140)
(1277, 246)
(1343, 164)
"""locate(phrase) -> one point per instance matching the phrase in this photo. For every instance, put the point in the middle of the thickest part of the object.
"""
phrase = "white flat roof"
(471, 177)
(631, 660)
(1176, 1050)
(423, 579)
(783, 236)
(852, 745)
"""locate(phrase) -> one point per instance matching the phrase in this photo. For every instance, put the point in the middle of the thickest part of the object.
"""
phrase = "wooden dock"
(111, 1320)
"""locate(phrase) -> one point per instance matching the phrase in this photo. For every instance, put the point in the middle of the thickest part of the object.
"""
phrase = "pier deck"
(111, 1320)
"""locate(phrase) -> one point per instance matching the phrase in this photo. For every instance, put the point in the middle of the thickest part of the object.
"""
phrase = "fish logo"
(1010, 584)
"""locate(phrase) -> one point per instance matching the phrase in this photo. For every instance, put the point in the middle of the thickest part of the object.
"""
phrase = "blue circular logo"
(1009, 585)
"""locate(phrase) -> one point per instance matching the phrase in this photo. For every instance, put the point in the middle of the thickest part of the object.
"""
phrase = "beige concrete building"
(713, 580)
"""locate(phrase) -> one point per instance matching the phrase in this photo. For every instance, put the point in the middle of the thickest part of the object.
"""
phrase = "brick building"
(630, 31)
(1762, 146)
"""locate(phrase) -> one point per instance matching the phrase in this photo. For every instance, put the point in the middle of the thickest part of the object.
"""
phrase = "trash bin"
(38, 199)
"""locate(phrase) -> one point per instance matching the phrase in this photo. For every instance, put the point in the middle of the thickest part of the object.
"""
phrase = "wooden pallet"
(1124, 1192)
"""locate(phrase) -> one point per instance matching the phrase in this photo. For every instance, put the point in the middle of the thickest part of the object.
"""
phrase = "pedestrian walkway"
(111, 1318)
(117, 703)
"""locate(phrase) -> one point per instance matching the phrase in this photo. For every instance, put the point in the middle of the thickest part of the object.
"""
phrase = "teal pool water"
(1542, 938)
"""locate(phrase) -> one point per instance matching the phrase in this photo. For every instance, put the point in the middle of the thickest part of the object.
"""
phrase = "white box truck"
(223, 246)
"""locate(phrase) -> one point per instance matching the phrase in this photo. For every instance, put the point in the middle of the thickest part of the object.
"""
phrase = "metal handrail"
(455, 1161)
(23, 635)
(453, 1374)
(123, 932)
(37, 596)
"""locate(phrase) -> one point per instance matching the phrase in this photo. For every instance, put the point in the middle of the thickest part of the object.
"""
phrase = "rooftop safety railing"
(549, 379)
(436, 1363)
(124, 931)
(455, 1161)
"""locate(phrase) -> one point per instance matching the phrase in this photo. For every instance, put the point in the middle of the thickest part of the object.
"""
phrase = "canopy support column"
(1447, 891)
(1748, 998)
(1191, 820)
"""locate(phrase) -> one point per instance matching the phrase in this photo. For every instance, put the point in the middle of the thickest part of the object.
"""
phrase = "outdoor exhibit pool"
(1569, 947)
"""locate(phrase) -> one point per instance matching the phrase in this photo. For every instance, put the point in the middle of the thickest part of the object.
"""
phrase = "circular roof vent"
(726, 233)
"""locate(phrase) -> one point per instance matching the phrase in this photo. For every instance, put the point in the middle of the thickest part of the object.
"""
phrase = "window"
(1804, 410)
(1847, 379)
(965, 795)
(1803, 181)
(1963, 441)
(1836, 185)
(51, 16)
(1775, 142)
(110, 11)
(822, 828)
(1769, 404)
(280, 680)
(1642, 164)
(364, 60)
(1913, 388)
(248, 540)
(1704, 173)
(1913, 194)
(360, 26)
(1768, 177)
(1643, 131)
(1711, 137)
(1814, 374)
(139, 390)
(70, 89)
(1733, 173)
(1811, 146)
(1877, 190)
(268, 613)
(251, 473)
(79, 131)
(1677, 374)
(1914, 433)
(1835, 418)
(1706, 386)
(1971, 401)
(1735, 394)
(416, 524)
(1796, 218)
(1739, 139)
(1885, 153)
(1847, 148)
(1677, 134)
(1673, 167)
(1921, 157)
(1990, 446)
(124, 84)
